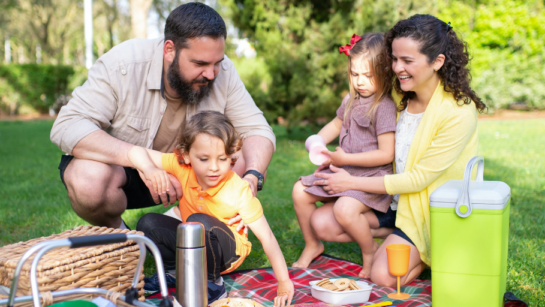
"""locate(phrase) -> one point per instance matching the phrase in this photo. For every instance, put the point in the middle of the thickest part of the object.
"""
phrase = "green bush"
(297, 42)
(505, 38)
(303, 77)
(34, 85)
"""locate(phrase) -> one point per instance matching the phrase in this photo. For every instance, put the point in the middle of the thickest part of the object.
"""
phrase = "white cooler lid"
(484, 194)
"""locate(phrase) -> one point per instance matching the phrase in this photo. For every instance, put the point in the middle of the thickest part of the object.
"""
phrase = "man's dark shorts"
(138, 194)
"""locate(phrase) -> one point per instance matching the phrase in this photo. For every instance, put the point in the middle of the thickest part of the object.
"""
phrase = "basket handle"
(97, 240)
(463, 205)
(43, 247)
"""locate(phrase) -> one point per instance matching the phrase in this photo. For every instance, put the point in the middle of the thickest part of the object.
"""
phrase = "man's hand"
(240, 226)
(252, 181)
(173, 195)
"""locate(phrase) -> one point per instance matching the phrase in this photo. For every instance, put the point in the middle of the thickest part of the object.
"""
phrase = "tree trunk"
(139, 16)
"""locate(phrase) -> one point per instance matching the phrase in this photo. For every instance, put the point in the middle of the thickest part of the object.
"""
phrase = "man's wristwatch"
(260, 178)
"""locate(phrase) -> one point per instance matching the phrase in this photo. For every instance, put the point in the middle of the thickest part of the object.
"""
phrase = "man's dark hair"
(191, 20)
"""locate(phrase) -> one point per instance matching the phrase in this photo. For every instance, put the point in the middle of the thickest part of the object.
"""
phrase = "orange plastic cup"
(398, 258)
(398, 265)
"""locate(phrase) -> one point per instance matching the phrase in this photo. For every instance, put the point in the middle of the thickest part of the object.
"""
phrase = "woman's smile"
(404, 78)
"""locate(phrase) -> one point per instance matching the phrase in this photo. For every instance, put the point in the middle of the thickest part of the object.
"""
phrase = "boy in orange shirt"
(212, 194)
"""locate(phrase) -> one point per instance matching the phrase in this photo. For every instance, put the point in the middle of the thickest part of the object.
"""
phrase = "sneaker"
(152, 283)
(216, 292)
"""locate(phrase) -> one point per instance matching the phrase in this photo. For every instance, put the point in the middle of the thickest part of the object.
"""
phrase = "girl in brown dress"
(365, 125)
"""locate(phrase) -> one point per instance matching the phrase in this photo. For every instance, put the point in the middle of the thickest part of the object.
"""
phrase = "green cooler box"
(469, 237)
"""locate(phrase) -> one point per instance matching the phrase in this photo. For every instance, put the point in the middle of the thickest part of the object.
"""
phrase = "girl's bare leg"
(304, 205)
(344, 221)
(380, 273)
(349, 213)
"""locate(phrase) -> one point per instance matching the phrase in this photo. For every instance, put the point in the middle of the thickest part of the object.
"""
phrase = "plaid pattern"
(260, 285)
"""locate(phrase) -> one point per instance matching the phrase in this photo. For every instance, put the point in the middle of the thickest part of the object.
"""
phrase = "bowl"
(341, 297)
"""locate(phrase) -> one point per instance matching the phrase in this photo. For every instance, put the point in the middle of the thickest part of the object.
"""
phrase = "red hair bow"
(346, 49)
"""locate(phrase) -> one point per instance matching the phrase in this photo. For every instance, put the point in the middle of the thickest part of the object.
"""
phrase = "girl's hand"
(337, 182)
(324, 166)
(159, 179)
(284, 294)
(338, 157)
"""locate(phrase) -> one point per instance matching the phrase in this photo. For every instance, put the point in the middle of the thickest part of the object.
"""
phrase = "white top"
(405, 131)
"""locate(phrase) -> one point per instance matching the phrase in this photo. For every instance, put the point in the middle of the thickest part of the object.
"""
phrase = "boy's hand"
(241, 225)
(159, 179)
(338, 157)
(284, 294)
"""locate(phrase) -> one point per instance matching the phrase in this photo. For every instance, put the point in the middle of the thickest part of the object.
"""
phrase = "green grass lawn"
(33, 201)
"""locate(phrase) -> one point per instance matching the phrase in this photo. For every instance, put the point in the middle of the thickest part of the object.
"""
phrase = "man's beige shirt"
(122, 96)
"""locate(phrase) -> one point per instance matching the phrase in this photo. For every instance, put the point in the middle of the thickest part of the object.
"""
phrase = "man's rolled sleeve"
(242, 111)
(91, 108)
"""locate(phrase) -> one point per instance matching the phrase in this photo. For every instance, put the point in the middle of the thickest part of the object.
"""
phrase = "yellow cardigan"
(446, 138)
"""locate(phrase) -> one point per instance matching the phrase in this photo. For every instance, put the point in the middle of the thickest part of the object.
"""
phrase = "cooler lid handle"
(463, 205)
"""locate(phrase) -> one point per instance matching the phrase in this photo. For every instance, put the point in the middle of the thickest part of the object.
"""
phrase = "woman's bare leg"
(376, 230)
(304, 205)
(382, 232)
(380, 273)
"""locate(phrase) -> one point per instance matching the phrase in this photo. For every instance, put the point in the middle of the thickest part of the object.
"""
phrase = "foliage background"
(306, 77)
(298, 74)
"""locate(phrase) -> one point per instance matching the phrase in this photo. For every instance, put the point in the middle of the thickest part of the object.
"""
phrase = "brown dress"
(359, 135)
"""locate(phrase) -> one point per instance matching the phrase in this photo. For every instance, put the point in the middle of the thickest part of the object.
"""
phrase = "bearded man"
(139, 93)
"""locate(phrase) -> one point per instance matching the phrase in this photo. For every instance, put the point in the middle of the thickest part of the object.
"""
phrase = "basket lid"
(63, 259)
(483, 194)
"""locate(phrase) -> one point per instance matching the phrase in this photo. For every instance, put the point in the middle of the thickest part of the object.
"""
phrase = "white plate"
(341, 297)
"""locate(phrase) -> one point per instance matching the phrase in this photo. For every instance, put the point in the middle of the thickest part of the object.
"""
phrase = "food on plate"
(235, 302)
(341, 284)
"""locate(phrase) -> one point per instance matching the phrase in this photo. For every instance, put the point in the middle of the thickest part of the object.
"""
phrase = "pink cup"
(315, 144)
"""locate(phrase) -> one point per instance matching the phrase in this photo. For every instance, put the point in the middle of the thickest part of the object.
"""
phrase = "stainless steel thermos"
(191, 273)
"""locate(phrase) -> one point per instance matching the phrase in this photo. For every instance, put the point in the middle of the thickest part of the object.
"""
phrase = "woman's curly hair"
(435, 38)
(212, 123)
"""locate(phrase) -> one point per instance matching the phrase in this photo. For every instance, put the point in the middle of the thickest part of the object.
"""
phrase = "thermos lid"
(190, 235)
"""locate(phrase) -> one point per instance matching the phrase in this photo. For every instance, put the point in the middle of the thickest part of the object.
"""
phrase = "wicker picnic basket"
(109, 267)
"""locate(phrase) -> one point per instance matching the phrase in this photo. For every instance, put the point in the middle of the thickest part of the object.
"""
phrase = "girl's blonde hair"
(212, 123)
(370, 48)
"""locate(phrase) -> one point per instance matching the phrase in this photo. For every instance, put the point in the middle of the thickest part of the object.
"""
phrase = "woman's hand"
(159, 179)
(338, 157)
(284, 293)
(337, 182)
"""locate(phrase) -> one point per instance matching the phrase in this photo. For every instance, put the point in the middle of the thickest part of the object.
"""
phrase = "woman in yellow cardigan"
(436, 134)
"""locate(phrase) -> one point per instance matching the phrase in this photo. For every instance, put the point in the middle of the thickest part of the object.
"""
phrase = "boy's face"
(208, 159)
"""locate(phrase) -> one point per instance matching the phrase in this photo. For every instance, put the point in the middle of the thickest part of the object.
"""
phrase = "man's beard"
(184, 88)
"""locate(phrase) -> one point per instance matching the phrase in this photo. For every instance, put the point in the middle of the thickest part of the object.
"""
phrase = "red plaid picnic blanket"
(260, 284)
